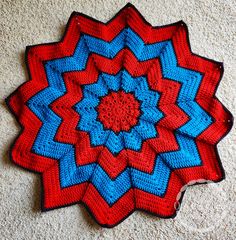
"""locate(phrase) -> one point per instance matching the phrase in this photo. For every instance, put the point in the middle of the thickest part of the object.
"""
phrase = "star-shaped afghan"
(119, 116)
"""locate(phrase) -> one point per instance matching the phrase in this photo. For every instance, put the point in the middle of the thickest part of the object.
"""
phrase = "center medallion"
(119, 111)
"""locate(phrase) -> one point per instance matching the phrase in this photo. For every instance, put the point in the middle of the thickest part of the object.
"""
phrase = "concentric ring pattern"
(119, 116)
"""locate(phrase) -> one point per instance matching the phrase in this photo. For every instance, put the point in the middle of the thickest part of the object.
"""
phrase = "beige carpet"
(207, 212)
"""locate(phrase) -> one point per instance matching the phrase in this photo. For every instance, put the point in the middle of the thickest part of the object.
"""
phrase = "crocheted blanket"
(119, 116)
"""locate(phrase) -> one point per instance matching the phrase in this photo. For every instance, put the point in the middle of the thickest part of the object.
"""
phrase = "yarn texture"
(119, 116)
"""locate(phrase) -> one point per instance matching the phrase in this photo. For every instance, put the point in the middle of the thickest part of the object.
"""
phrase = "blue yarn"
(113, 189)
(190, 79)
(199, 119)
(116, 142)
(110, 49)
(186, 156)
(44, 143)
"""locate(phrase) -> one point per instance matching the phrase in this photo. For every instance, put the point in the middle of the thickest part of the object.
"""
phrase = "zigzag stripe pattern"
(119, 116)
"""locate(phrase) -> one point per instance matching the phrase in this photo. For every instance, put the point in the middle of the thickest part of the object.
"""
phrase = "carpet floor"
(207, 211)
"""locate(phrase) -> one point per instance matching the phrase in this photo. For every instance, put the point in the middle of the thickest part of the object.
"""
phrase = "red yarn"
(119, 111)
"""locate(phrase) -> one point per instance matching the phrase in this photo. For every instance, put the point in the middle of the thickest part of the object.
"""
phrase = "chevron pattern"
(119, 116)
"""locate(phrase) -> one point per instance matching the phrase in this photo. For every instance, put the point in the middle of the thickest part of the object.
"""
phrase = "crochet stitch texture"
(119, 116)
